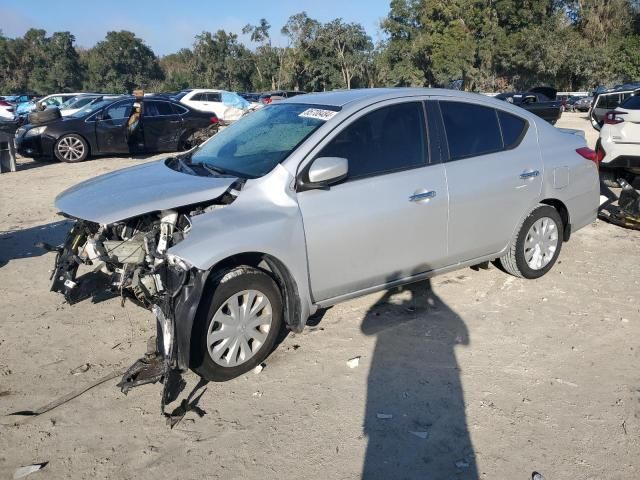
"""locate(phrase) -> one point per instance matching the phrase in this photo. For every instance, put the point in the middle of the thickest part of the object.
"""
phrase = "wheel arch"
(189, 302)
(281, 274)
(564, 215)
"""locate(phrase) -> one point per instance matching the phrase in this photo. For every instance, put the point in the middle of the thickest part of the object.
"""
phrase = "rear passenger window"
(213, 97)
(178, 110)
(471, 129)
(513, 128)
(389, 139)
(164, 108)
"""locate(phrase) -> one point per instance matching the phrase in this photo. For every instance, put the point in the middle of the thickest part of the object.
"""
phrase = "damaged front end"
(130, 260)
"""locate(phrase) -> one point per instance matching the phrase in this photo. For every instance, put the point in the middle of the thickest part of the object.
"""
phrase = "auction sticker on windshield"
(318, 114)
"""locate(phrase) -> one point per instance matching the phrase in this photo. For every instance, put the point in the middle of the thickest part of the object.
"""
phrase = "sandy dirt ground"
(474, 375)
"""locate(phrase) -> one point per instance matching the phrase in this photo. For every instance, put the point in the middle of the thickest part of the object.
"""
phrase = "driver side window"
(118, 111)
(386, 140)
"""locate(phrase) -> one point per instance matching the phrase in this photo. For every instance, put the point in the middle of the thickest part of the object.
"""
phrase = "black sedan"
(105, 128)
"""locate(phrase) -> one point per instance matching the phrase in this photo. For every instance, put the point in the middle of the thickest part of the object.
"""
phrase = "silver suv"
(315, 200)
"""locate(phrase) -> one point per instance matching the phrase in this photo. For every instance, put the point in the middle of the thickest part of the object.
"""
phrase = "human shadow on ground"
(15, 244)
(415, 413)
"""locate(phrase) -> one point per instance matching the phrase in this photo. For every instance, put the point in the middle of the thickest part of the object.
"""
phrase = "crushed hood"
(137, 190)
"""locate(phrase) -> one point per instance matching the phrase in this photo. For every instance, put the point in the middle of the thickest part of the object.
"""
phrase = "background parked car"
(619, 144)
(583, 104)
(535, 102)
(268, 97)
(228, 106)
(607, 101)
(250, 97)
(101, 128)
(75, 104)
(7, 110)
(54, 100)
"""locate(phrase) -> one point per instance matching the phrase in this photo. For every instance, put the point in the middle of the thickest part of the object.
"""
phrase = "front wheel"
(237, 326)
(536, 246)
(71, 148)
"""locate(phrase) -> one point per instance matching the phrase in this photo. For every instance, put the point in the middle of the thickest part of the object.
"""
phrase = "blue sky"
(167, 25)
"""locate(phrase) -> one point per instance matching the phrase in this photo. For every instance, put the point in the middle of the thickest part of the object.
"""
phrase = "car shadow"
(16, 244)
(415, 418)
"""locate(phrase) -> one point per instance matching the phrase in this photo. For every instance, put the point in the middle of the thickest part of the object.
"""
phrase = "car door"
(161, 126)
(111, 127)
(494, 173)
(388, 220)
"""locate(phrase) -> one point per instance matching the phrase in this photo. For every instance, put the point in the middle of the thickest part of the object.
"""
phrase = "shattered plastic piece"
(81, 369)
(22, 472)
(148, 369)
(258, 368)
(422, 435)
(462, 464)
(353, 362)
(257, 394)
(384, 416)
(536, 476)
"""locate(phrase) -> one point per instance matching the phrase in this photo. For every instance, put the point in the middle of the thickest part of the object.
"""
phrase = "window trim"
(451, 158)
(313, 154)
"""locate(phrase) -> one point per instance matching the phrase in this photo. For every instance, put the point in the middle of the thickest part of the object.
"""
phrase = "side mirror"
(325, 171)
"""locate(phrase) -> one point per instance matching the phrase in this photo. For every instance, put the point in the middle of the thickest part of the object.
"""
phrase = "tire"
(225, 288)
(71, 148)
(515, 260)
(42, 116)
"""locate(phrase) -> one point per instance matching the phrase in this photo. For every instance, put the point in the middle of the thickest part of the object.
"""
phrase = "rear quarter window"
(632, 103)
(513, 129)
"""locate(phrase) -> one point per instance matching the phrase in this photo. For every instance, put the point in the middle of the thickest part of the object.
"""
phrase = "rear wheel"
(237, 326)
(71, 148)
(535, 248)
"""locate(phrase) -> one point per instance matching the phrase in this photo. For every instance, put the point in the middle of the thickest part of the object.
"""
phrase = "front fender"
(265, 219)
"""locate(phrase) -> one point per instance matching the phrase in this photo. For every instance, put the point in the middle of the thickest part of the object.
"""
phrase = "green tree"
(121, 63)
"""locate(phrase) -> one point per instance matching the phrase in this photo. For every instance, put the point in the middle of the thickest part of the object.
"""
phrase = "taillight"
(614, 117)
(214, 120)
(267, 100)
(4, 103)
(593, 155)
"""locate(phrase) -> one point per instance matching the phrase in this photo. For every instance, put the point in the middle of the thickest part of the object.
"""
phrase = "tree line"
(477, 45)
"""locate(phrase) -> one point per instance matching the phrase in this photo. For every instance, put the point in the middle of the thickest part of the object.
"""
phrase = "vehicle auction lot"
(510, 376)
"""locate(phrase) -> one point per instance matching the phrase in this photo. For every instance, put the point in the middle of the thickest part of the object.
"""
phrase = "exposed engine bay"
(130, 260)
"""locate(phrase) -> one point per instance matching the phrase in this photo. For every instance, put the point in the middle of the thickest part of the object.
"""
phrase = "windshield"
(90, 108)
(231, 99)
(255, 144)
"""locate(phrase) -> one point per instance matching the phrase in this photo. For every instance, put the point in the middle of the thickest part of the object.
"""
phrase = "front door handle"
(416, 197)
(531, 174)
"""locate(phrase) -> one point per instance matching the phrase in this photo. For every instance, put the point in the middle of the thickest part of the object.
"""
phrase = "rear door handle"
(416, 197)
(532, 174)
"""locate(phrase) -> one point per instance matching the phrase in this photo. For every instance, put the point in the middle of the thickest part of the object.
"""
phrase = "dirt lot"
(478, 374)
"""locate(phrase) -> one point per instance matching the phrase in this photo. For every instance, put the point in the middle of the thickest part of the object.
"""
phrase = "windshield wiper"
(214, 170)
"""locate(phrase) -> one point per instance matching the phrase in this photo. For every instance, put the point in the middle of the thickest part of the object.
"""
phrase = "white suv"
(228, 106)
(619, 144)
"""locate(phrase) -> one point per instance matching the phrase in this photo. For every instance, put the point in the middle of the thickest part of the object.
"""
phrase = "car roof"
(343, 98)
(215, 90)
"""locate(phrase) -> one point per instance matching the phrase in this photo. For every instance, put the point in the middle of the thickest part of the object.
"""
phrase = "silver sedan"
(321, 198)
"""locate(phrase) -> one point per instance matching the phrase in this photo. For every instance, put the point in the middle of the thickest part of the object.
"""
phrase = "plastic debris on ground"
(422, 435)
(28, 469)
(353, 362)
(384, 416)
